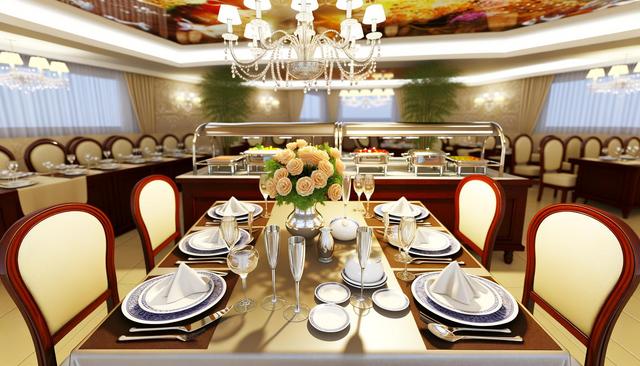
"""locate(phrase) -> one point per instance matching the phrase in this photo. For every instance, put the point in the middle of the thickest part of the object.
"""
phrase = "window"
(572, 107)
(314, 107)
(97, 102)
(370, 107)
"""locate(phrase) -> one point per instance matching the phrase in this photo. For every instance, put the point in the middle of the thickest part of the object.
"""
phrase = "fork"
(429, 319)
(179, 337)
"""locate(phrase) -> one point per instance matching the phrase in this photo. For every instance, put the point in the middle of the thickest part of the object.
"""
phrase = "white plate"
(151, 298)
(185, 248)
(17, 183)
(367, 285)
(74, 172)
(199, 240)
(505, 314)
(436, 240)
(489, 302)
(416, 209)
(332, 292)
(109, 166)
(215, 211)
(329, 318)
(390, 299)
(132, 310)
(451, 250)
(5, 174)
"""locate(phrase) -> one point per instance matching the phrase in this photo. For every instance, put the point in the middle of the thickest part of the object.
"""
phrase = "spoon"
(430, 320)
(445, 334)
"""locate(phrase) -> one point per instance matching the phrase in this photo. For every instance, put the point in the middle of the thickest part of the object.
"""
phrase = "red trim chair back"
(632, 141)
(480, 203)
(591, 147)
(58, 266)
(155, 203)
(44, 150)
(119, 146)
(612, 143)
(83, 146)
(147, 143)
(583, 264)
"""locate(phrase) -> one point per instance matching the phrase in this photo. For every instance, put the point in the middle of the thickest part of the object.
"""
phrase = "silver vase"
(305, 223)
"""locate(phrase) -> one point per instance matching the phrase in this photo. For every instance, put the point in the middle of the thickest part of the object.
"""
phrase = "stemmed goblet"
(406, 233)
(13, 168)
(364, 240)
(71, 158)
(346, 191)
(369, 187)
(229, 230)
(271, 245)
(298, 312)
(264, 178)
(242, 261)
(106, 153)
(358, 187)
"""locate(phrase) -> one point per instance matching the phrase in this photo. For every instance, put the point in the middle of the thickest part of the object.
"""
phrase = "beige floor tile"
(625, 333)
(31, 360)
(621, 356)
(15, 341)
(6, 302)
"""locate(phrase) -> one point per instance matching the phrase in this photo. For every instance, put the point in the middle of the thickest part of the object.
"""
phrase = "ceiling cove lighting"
(304, 55)
(619, 80)
(39, 74)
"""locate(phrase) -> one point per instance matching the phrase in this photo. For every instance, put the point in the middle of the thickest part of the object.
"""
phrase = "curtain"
(333, 106)
(572, 107)
(534, 94)
(368, 109)
(142, 94)
(314, 107)
(96, 102)
(295, 104)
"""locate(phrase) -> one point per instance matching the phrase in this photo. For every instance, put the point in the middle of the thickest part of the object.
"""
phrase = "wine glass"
(298, 312)
(358, 187)
(49, 166)
(71, 158)
(271, 245)
(229, 230)
(106, 153)
(369, 187)
(13, 168)
(346, 191)
(242, 261)
(406, 233)
(264, 178)
(364, 239)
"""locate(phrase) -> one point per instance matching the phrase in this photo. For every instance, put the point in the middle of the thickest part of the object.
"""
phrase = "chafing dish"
(378, 160)
(469, 164)
(426, 160)
(225, 164)
(255, 159)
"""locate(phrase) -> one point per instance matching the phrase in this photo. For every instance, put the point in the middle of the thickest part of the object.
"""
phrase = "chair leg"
(555, 193)
(541, 187)
(564, 196)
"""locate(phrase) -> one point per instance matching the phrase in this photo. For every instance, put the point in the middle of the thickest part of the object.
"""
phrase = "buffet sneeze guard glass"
(342, 130)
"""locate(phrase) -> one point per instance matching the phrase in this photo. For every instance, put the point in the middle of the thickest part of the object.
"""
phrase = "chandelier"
(304, 55)
(618, 81)
(40, 74)
(366, 98)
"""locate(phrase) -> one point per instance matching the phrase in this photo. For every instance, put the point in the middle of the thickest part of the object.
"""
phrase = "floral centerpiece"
(304, 175)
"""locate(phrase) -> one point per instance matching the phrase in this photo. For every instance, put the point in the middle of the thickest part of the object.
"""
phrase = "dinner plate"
(17, 183)
(422, 213)
(185, 248)
(132, 310)
(489, 302)
(6, 175)
(151, 297)
(390, 299)
(367, 285)
(436, 240)
(74, 172)
(329, 318)
(332, 292)
(380, 208)
(451, 250)
(109, 166)
(257, 210)
(507, 312)
(200, 240)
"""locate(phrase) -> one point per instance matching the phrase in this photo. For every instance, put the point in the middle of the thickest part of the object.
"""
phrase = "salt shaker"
(325, 245)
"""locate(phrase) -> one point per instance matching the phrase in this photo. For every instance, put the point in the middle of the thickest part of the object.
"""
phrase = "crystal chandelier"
(618, 81)
(40, 74)
(303, 55)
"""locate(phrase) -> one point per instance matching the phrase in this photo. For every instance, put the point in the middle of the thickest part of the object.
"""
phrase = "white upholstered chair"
(119, 146)
(188, 142)
(43, 150)
(632, 142)
(572, 149)
(612, 144)
(551, 153)
(147, 144)
(479, 204)
(154, 206)
(169, 142)
(591, 147)
(5, 157)
(58, 266)
(85, 147)
(583, 264)
(522, 149)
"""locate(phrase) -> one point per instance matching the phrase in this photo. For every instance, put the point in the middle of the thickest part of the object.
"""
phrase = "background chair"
(632, 141)
(612, 144)
(147, 144)
(119, 146)
(169, 142)
(480, 203)
(572, 150)
(187, 140)
(58, 266)
(583, 264)
(591, 148)
(5, 157)
(44, 150)
(154, 206)
(522, 149)
(84, 147)
(551, 153)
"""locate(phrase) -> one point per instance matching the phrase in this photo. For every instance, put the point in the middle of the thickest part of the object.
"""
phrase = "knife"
(189, 328)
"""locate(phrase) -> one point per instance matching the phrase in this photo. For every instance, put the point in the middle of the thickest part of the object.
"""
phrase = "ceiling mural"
(195, 21)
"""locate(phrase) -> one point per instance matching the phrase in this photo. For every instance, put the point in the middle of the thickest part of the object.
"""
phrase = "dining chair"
(583, 265)
(119, 146)
(474, 227)
(154, 206)
(58, 266)
(169, 142)
(551, 154)
(84, 147)
(591, 147)
(187, 140)
(522, 149)
(147, 143)
(613, 143)
(5, 157)
(572, 150)
(631, 142)
(43, 150)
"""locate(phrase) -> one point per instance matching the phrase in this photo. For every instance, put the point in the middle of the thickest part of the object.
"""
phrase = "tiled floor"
(16, 347)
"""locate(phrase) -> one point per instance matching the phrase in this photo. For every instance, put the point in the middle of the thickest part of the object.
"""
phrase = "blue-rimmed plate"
(215, 212)
(506, 313)
(132, 310)
(185, 248)
(452, 249)
(421, 213)
(153, 297)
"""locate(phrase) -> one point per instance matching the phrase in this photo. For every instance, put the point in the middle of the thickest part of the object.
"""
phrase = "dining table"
(261, 337)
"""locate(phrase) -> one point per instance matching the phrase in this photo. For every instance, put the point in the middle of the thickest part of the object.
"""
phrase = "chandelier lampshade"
(11, 58)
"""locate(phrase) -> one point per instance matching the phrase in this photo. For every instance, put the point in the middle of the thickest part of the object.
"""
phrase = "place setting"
(235, 208)
(212, 245)
(11, 178)
(399, 209)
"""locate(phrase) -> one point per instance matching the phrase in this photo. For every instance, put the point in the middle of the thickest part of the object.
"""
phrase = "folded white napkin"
(454, 283)
(429, 239)
(185, 282)
(233, 207)
(208, 239)
(372, 273)
(401, 208)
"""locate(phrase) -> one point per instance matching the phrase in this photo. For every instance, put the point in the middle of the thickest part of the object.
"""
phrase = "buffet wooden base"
(437, 193)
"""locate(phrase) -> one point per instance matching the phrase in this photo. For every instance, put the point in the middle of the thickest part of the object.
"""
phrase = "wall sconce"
(490, 101)
(268, 103)
(187, 100)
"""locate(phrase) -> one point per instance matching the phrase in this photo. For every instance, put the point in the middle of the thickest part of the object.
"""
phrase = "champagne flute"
(242, 261)
(346, 191)
(364, 240)
(406, 233)
(71, 158)
(369, 187)
(106, 153)
(264, 178)
(298, 312)
(13, 168)
(271, 245)
(358, 187)
(229, 230)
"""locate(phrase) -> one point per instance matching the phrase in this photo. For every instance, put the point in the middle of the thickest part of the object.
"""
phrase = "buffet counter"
(200, 191)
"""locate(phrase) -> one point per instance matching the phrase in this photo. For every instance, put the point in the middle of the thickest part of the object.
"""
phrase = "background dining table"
(261, 337)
